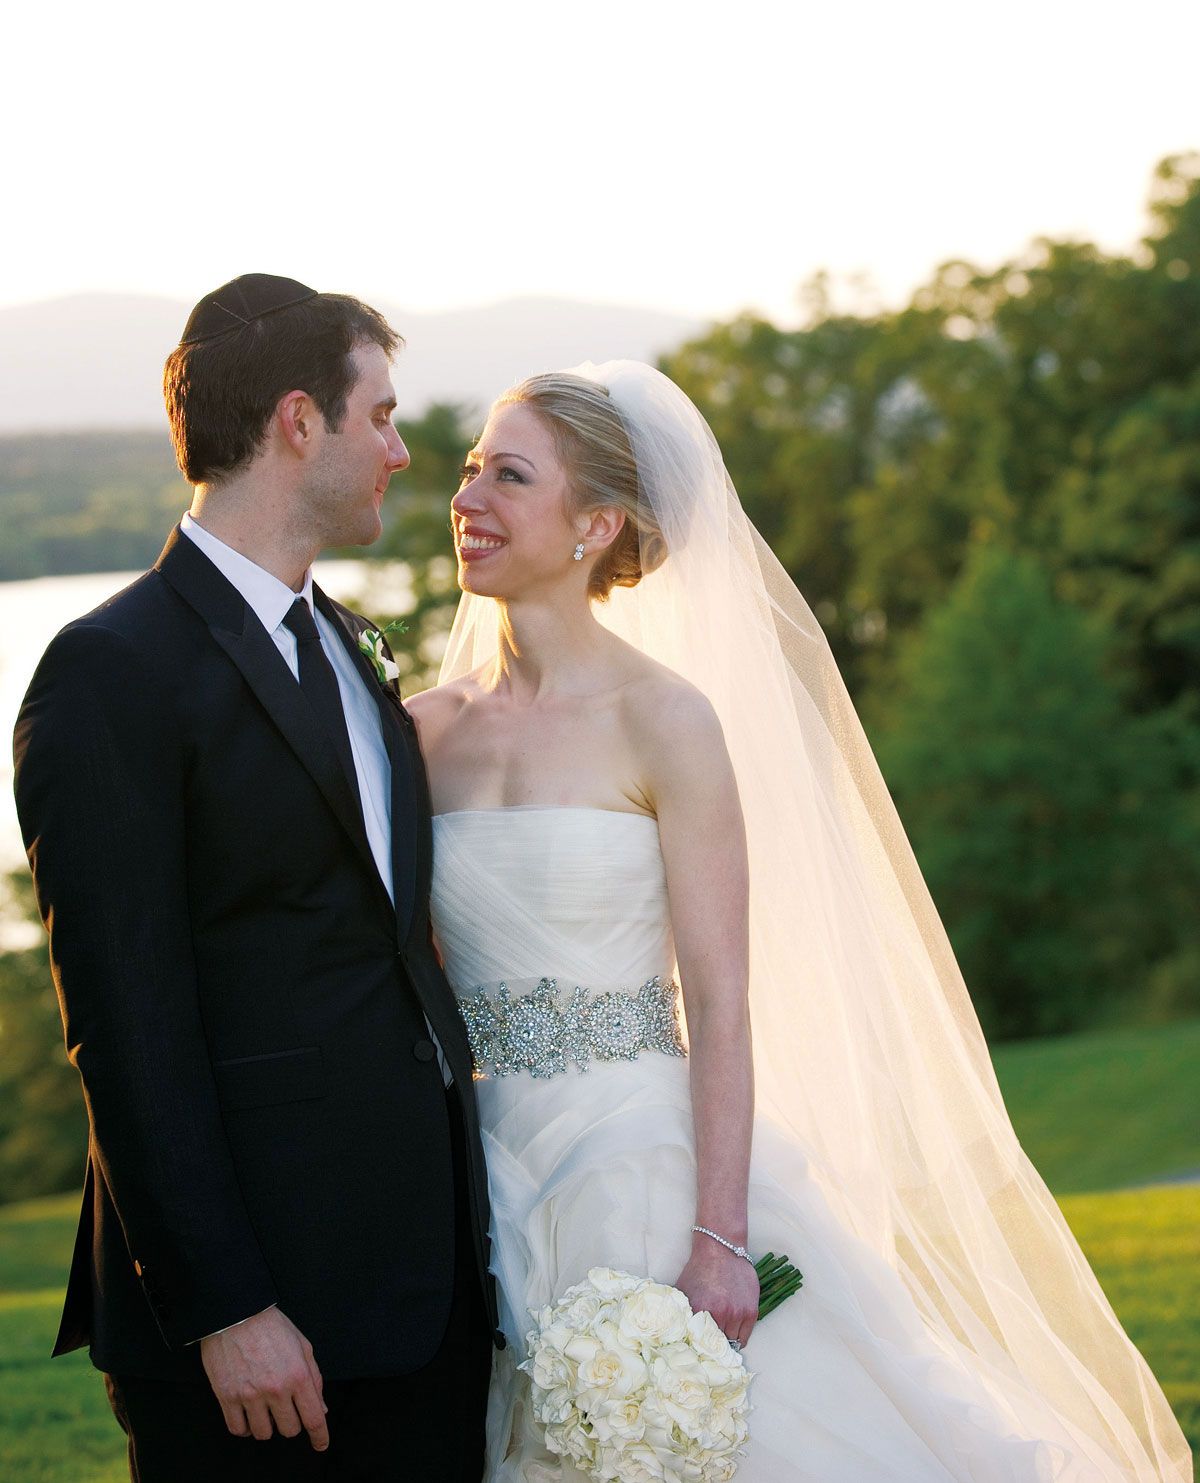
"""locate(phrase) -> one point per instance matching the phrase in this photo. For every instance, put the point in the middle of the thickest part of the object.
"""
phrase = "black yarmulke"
(240, 302)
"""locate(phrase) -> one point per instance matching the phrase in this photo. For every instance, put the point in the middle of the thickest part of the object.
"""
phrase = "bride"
(646, 773)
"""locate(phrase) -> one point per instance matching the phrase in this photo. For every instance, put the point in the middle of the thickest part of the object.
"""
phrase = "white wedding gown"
(595, 1167)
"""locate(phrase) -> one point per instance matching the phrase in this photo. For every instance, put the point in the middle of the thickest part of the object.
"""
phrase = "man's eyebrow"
(389, 405)
(520, 457)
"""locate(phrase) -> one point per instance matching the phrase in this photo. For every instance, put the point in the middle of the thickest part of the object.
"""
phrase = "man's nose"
(398, 454)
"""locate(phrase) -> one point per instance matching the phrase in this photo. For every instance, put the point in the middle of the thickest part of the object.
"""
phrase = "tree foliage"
(1046, 815)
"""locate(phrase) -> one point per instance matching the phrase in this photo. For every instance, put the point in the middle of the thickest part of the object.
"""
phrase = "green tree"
(1047, 820)
(1126, 539)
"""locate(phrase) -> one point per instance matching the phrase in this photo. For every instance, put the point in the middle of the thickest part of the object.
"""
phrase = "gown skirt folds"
(539, 912)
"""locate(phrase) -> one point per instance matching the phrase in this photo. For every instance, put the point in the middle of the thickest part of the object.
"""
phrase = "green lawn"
(1093, 1111)
(55, 1425)
(1105, 1109)
(1144, 1246)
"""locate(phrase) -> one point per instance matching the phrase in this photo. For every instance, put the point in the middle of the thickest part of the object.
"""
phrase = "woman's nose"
(468, 500)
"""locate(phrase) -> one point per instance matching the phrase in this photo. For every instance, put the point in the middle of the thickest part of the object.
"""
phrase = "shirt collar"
(270, 598)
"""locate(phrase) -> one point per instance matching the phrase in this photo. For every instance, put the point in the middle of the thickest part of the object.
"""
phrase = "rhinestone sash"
(542, 1031)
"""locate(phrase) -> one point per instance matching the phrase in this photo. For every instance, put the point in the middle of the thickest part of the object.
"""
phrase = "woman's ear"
(603, 526)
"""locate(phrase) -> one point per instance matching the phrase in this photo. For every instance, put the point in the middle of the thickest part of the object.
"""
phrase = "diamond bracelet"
(737, 1250)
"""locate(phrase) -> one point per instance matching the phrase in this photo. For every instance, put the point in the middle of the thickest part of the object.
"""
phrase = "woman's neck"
(547, 650)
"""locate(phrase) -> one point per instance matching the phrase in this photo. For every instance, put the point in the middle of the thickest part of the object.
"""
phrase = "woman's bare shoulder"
(436, 708)
(667, 713)
(684, 763)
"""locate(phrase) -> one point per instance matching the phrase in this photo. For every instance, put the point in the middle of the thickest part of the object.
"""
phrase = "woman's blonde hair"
(601, 471)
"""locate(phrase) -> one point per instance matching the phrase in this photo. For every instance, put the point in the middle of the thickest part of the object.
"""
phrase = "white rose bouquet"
(633, 1386)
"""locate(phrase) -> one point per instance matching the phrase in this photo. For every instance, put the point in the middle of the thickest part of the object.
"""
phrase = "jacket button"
(424, 1050)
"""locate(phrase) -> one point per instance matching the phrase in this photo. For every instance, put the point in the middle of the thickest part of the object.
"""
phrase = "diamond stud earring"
(579, 552)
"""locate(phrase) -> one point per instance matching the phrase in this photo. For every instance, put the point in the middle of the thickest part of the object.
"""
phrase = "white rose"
(549, 1369)
(684, 1396)
(555, 1407)
(582, 1311)
(622, 1418)
(659, 1426)
(577, 1443)
(610, 1283)
(679, 1355)
(581, 1348)
(606, 1464)
(719, 1376)
(554, 1335)
(613, 1369)
(641, 1464)
(654, 1315)
(706, 1338)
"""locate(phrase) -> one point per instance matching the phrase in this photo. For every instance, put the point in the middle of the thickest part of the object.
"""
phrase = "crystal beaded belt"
(542, 1031)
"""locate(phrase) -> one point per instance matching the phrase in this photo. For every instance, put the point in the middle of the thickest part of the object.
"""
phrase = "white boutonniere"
(370, 643)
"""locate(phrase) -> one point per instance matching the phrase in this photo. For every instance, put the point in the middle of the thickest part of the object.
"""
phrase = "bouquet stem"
(777, 1281)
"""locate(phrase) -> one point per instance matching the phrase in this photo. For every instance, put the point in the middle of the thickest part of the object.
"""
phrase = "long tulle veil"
(867, 1047)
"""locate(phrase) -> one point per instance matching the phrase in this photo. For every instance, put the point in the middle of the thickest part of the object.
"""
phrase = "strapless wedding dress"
(554, 928)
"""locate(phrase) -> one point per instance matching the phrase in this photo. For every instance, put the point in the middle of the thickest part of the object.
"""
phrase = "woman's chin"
(472, 580)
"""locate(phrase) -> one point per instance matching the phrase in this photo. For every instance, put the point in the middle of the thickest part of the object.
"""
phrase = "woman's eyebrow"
(520, 457)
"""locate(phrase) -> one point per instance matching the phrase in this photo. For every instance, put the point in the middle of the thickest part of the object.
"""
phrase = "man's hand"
(264, 1375)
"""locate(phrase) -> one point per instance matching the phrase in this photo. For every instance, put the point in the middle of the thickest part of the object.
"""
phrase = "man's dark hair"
(221, 392)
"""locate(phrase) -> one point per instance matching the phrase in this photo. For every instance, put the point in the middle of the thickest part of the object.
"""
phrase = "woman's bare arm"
(690, 780)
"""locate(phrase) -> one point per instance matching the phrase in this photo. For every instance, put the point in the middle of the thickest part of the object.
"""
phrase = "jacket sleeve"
(100, 778)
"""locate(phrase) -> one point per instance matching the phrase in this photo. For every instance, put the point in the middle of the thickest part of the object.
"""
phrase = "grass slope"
(1108, 1108)
(55, 1425)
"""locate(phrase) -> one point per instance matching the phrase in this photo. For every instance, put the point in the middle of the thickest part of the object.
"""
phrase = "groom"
(281, 1264)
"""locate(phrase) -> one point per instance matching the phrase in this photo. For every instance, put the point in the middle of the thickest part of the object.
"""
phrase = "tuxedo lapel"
(411, 849)
(236, 628)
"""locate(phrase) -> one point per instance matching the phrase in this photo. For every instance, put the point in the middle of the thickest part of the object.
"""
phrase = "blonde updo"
(601, 471)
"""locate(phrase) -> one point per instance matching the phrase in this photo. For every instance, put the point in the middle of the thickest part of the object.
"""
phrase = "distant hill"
(95, 360)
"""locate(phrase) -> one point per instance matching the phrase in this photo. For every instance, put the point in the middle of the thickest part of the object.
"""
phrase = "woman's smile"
(476, 545)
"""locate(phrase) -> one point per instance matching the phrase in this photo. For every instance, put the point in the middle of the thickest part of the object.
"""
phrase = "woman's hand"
(722, 1284)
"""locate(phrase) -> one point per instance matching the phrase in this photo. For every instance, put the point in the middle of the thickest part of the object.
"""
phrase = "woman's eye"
(470, 470)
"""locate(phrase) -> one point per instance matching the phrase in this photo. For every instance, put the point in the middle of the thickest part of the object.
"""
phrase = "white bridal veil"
(866, 1046)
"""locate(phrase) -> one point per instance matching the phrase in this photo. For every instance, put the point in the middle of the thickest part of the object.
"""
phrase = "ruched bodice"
(545, 890)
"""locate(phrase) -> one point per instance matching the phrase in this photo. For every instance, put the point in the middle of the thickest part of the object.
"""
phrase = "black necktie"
(320, 686)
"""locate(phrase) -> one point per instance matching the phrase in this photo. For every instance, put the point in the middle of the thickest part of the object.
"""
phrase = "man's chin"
(366, 533)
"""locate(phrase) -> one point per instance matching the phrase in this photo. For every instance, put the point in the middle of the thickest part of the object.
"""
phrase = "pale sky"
(673, 155)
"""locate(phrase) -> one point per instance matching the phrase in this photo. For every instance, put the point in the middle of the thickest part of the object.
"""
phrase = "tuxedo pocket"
(264, 1081)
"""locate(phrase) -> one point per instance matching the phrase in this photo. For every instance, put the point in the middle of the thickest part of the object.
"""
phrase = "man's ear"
(296, 417)
(603, 527)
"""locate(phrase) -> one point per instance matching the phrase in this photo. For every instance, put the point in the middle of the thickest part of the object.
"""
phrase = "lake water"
(31, 613)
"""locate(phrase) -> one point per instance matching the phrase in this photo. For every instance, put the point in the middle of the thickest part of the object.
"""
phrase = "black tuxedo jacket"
(268, 1122)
